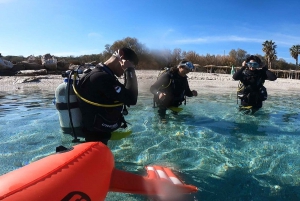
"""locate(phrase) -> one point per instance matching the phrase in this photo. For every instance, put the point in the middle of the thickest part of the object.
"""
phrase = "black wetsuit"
(101, 86)
(253, 93)
(174, 86)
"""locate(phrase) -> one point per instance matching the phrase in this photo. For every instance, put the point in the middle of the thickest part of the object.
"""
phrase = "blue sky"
(78, 27)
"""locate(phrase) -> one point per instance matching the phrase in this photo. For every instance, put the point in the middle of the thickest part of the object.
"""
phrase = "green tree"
(133, 43)
(129, 42)
(241, 56)
(269, 48)
(295, 51)
(238, 56)
(176, 56)
(191, 56)
(156, 59)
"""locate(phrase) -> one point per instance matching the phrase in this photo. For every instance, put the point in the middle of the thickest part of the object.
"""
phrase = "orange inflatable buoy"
(84, 172)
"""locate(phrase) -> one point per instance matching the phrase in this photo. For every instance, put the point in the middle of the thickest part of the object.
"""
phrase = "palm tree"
(270, 52)
(295, 51)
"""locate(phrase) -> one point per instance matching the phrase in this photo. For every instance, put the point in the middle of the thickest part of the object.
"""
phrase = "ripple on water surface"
(227, 155)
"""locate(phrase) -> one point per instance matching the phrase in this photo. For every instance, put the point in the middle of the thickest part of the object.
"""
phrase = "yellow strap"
(90, 102)
(246, 107)
(167, 85)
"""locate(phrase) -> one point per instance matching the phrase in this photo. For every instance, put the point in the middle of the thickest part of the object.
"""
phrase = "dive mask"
(253, 64)
(188, 65)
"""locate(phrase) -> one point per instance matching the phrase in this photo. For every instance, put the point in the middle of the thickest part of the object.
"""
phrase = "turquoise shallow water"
(227, 155)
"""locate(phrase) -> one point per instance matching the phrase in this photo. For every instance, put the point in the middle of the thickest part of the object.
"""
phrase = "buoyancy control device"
(161, 72)
(66, 102)
(243, 92)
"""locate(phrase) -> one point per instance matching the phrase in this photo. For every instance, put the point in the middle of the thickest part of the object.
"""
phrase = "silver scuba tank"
(61, 103)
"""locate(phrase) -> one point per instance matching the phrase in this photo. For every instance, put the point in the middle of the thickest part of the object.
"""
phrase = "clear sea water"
(210, 144)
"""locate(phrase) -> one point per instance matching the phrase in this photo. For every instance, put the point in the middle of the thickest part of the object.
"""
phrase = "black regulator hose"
(69, 107)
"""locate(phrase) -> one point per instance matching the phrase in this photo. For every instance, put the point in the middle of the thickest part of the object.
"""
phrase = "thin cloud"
(94, 35)
(79, 53)
(218, 39)
(279, 39)
(168, 32)
(286, 40)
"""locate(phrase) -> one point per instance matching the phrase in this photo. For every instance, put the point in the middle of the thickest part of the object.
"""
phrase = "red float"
(86, 172)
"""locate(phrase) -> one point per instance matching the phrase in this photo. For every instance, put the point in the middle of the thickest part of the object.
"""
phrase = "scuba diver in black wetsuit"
(101, 86)
(252, 75)
(171, 88)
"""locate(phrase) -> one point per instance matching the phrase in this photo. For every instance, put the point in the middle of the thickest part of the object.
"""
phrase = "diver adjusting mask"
(253, 64)
(188, 65)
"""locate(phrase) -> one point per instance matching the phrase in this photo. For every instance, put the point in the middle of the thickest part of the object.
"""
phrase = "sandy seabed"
(202, 82)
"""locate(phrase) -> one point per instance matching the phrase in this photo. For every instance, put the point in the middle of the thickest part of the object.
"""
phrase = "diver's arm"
(188, 91)
(270, 75)
(131, 85)
(239, 74)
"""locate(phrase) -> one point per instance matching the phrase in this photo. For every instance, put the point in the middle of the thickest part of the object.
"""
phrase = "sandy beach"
(202, 82)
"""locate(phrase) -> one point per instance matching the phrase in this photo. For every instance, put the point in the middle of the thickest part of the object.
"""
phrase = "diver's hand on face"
(195, 93)
(245, 66)
(244, 63)
(126, 64)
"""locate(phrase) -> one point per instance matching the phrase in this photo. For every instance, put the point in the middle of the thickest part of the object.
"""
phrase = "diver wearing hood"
(252, 76)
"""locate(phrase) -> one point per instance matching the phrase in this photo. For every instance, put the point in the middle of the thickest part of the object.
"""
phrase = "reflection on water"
(227, 155)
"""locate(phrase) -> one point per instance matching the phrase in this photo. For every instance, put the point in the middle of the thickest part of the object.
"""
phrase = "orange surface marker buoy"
(84, 172)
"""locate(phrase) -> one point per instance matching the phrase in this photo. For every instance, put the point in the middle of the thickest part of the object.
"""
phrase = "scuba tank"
(67, 106)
